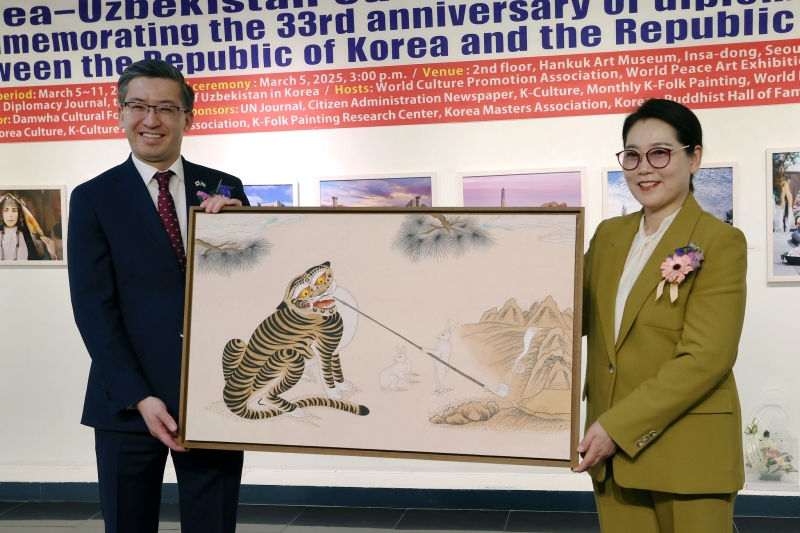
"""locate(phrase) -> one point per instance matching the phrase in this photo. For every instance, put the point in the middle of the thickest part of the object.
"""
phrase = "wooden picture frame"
(411, 315)
(373, 190)
(45, 225)
(783, 188)
(708, 193)
(536, 191)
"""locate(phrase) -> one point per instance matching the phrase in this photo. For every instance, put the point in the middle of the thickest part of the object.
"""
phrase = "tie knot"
(163, 179)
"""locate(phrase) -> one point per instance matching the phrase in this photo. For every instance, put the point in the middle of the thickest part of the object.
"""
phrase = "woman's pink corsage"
(677, 266)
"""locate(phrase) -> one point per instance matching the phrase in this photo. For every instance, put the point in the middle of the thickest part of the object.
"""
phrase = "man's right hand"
(159, 422)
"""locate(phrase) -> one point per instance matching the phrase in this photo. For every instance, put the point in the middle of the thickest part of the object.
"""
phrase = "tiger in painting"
(306, 325)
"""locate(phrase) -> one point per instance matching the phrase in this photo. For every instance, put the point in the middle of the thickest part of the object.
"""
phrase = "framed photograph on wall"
(522, 188)
(272, 195)
(783, 197)
(714, 190)
(397, 190)
(34, 228)
(340, 331)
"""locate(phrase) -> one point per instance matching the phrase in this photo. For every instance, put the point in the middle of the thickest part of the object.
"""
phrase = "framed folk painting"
(403, 332)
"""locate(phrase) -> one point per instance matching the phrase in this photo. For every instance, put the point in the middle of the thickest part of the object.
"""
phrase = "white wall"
(44, 366)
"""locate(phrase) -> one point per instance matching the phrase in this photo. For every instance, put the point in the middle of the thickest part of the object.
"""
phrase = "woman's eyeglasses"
(657, 157)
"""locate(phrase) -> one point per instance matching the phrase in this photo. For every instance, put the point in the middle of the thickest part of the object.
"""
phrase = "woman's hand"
(595, 447)
(553, 204)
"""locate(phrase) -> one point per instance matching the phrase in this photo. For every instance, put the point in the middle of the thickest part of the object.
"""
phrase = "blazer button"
(653, 434)
(645, 438)
(639, 443)
(181, 334)
(610, 369)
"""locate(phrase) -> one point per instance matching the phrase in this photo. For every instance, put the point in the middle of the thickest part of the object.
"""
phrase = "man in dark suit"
(127, 262)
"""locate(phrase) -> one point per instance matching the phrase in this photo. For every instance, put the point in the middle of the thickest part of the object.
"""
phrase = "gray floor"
(30, 517)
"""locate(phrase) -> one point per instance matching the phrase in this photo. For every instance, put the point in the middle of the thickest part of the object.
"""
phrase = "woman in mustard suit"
(663, 441)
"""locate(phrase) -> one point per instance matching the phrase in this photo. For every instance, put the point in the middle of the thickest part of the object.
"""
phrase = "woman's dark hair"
(155, 68)
(683, 121)
(22, 228)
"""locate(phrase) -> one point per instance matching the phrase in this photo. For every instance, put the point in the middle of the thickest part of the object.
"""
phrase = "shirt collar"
(147, 172)
(661, 229)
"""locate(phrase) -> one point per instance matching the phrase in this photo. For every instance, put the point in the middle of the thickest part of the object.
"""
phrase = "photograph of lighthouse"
(377, 191)
(524, 188)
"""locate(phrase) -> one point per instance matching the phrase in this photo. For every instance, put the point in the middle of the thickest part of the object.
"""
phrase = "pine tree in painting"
(440, 237)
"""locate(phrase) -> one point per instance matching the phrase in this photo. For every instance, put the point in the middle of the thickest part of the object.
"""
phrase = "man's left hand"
(217, 202)
(596, 447)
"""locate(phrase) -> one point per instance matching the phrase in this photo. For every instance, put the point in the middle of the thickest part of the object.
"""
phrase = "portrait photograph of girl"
(32, 225)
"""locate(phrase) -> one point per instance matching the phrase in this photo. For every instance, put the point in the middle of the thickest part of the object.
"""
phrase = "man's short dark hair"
(155, 68)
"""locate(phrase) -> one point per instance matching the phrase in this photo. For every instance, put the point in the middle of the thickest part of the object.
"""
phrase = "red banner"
(733, 75)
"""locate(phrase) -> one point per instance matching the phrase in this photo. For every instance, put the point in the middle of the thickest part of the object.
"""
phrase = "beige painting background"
(416, 300)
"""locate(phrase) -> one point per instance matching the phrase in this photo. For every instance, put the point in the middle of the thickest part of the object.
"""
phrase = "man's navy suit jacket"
(128, 290)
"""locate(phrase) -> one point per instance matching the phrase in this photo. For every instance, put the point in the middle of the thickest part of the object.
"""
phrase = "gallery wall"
(44, 365)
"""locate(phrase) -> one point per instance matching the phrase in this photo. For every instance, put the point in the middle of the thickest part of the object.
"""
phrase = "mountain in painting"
(531, 351)
(489, 315)
(510, 314)
(546, 315)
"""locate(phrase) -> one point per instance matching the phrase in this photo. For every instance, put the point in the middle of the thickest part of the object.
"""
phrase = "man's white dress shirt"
(176, 188)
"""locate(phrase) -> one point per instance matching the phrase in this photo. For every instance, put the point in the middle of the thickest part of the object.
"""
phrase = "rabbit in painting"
(442, 351)
(401, 369)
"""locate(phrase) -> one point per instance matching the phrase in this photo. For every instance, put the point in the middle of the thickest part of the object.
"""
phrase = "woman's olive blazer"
(665, 391)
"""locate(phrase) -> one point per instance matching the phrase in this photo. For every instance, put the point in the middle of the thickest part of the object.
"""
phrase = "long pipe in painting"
(502, 389)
